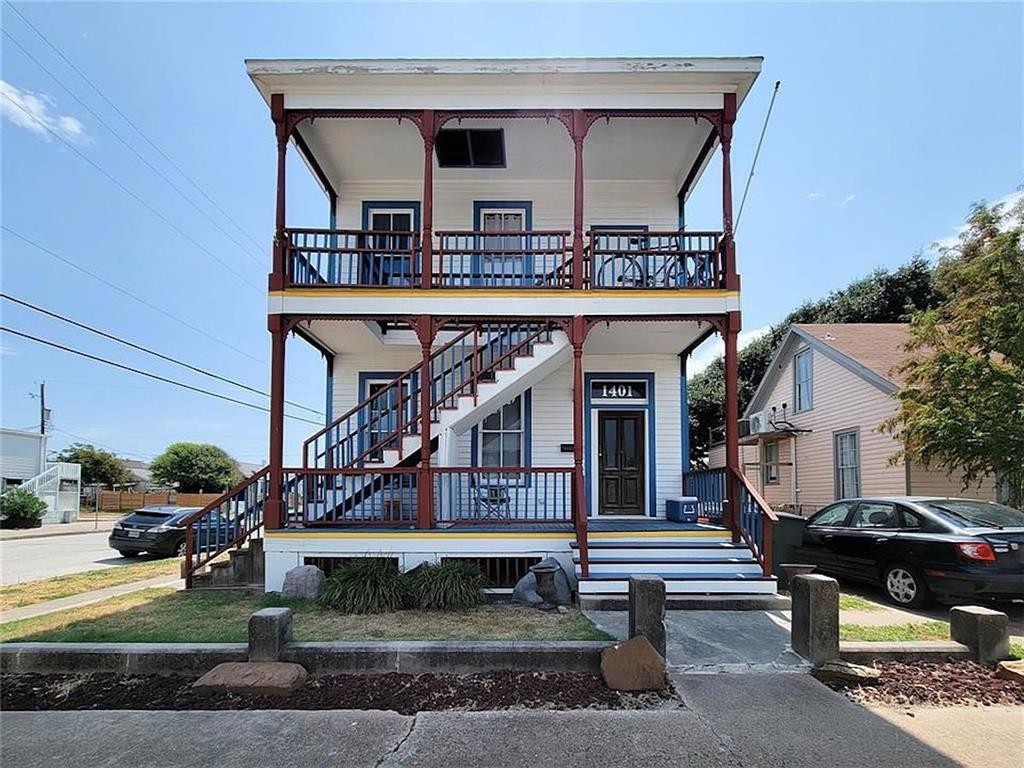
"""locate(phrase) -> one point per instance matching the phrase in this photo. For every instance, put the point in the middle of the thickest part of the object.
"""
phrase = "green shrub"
(20, 502)
(451, 586)
(366, 585)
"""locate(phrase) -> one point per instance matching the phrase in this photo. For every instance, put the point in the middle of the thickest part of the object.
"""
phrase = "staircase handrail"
(238, 539)
(760, 545)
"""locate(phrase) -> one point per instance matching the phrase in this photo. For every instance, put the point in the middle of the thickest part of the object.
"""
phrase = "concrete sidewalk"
(85, 598)
(59, 529)
(727, 720)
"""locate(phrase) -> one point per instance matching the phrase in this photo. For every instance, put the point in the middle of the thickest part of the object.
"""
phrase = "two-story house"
(506, 290)
(812, 431)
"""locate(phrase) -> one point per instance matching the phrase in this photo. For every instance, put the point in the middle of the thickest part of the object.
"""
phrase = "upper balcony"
(565, 178)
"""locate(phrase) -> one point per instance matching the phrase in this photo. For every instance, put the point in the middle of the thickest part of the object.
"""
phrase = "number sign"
(618, 390)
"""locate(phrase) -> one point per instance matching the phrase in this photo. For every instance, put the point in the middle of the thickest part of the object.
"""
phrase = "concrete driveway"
(40, 558)
(725, 720)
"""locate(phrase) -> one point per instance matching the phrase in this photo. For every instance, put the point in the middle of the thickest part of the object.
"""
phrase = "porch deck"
(594, 526)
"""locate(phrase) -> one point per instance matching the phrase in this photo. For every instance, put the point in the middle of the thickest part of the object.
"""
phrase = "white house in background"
(23, 463)
(506, 288)
(811, 432)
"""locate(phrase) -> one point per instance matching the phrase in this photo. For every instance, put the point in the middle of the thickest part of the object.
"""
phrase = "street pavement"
(40, 558)
(725, 720)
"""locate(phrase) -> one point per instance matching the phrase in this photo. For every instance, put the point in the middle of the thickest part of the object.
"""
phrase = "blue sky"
(891, 120)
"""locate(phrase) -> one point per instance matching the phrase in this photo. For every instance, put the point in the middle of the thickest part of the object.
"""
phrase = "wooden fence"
(125, 501)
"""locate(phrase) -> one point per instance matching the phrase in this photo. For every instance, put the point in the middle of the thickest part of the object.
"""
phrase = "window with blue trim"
(503, 436)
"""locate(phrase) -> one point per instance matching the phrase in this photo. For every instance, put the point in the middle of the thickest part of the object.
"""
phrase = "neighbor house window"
(803, 395)
(847, 465)
(502, 436)
(770, 463)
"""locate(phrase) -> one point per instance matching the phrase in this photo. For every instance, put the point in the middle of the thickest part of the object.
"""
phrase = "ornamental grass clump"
(450, 586)
(366, 585)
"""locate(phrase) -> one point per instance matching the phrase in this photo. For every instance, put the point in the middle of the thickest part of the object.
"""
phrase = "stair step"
(710, 576)
(764, 585)
(686, 567)
(665, 555)
(671, 544)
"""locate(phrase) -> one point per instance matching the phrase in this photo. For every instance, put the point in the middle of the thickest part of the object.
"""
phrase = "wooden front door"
(620, 455)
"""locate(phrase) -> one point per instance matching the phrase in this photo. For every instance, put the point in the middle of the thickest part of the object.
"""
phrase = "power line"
(148, 374)
(149, 351)
(757, 153)
(101, 445)
(139, 199)
(129, 294)
(138, 130)
(134, 151)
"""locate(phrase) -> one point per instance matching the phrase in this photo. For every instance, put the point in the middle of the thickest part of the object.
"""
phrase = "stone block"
(984, 631)
(846, 673)
(1011, 670)
(647, 609)
(270, 629)
(304, 582)
(633, 665)
(815, 626)
(265, 678)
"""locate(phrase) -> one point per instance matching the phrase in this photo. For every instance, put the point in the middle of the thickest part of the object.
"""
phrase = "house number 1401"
(619, 390)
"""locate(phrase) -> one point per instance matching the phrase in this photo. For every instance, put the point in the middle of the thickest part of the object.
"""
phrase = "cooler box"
(682, 509)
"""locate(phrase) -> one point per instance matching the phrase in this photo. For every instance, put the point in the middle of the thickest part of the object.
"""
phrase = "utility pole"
(42, 408)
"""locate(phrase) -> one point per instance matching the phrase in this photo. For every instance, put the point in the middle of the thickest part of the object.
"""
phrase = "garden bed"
(405, 694)
(949, 683)
(170, 616)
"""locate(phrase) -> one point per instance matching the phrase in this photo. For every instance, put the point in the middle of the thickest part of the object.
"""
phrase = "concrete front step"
(684, 602)
(618, 584)
(667, 567)
(667, 553)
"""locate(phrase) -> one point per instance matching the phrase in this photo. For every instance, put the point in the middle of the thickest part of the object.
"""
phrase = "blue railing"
(350, 496)
(503, 495)
(638, 259)
(349, 257)
(474, 259)
(756, 521)
(708, 485)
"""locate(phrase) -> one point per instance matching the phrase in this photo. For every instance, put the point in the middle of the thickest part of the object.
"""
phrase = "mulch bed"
(950, 683)
(405, 694)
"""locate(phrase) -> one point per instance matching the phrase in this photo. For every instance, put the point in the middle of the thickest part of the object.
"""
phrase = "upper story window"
(470, 148)
(803, 393)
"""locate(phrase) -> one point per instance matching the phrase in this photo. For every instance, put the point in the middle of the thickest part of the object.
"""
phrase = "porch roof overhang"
(341, 151)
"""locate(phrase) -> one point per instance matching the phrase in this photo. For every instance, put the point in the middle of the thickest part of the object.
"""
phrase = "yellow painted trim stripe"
(454, 293)
(414, 535)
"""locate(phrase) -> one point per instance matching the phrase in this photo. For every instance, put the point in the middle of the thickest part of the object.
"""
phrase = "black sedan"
(919, 548)
(155, 530)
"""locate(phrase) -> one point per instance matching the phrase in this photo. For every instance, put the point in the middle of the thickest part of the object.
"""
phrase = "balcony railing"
(503, 495)
(617, 260)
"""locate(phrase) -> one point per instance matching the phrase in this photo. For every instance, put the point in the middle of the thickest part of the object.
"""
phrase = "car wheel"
(128, 554)
(179, 551)
(904, 586)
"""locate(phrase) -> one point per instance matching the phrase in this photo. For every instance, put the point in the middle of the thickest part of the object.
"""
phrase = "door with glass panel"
(503, 259)
(389, 258)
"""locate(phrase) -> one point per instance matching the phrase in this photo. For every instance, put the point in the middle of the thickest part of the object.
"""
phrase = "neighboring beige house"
(811, 432)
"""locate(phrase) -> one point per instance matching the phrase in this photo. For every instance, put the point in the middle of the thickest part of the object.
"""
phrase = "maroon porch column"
(428, 130)
(426, 330)
(273, 515)
(277, 113)
(732, 427)
(578, 133)
(728, 118)
(578, 336)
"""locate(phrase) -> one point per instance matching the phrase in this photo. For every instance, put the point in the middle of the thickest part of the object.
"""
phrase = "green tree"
(881, 297)
(961, 408)
(195, 467)
(98, 466)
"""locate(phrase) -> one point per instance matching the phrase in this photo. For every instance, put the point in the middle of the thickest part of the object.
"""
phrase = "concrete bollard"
(270, 629)
(647, 610)
(815, 629)
(984, 631)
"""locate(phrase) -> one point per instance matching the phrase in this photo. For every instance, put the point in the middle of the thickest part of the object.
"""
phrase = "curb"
(407, 657)
(864, 652)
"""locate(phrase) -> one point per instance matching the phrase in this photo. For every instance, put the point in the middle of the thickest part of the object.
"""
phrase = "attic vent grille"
(470, 148)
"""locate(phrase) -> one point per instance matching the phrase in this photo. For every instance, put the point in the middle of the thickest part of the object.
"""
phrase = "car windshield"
(969, 514)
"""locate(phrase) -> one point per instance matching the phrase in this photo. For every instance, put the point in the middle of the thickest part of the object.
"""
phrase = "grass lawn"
(857, 603)
(41, 590)
(929, 630)
(166, 615)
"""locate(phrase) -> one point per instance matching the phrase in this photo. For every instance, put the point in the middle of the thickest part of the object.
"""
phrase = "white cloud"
(714, 348)
(847, 200)
(1007, 202)
(36, 113)
(816, 195)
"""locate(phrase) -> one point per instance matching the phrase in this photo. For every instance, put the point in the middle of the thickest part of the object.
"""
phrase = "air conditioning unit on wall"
(758, 423)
